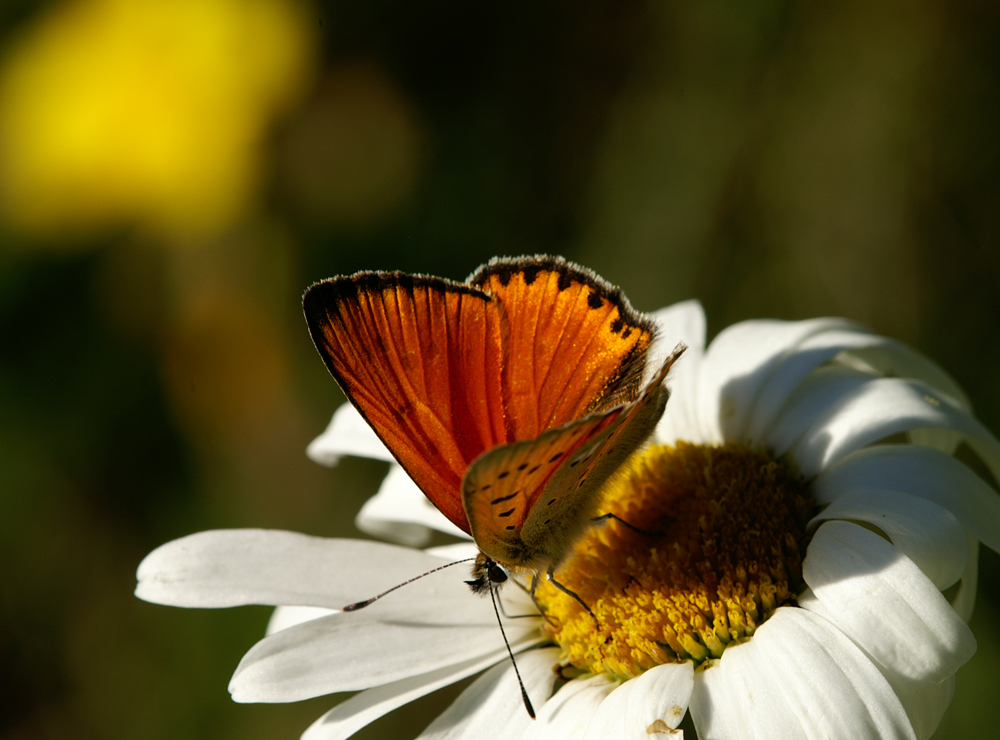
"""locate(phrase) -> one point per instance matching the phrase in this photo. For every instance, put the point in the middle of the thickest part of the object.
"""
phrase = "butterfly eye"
(496, 573)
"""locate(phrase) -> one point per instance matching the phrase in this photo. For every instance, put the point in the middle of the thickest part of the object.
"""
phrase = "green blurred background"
(173, 174)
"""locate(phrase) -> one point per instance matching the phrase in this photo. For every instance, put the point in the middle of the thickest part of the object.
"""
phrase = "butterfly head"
(486, 572)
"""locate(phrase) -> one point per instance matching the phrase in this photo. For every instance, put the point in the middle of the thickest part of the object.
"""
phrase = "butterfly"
(509, 399)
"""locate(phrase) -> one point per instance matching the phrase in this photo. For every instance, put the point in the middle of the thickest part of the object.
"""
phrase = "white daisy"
(811, 573)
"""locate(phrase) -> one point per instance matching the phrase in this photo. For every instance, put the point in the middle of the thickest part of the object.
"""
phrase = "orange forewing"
(571, 342)
(420, 359)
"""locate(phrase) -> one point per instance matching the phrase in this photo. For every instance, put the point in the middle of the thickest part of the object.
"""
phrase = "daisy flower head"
(799, 561)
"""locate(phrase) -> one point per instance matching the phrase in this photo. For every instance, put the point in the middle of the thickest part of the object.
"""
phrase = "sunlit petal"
(494, 700)
(351, 715)
(739, 362)
(565, 715)
(284, 617)
(347, 434)
(233, 567)
(796, 366)
(402, 513)
(921, 472)
(876, 410)
(348, 652)
(682, 322)
(882, 601)
(927, 534)
(663, 693)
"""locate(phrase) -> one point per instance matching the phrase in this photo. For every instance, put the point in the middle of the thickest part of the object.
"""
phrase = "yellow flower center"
(723, 546)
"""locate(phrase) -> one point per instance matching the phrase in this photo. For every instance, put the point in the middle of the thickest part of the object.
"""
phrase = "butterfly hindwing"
(504, 487)
(420, 359)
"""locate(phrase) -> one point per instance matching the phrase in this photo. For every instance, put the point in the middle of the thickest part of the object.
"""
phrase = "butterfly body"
(510, 399)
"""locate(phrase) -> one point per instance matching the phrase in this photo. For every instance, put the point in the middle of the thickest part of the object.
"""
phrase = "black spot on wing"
(509, 527)
(500, 500)
(627, 333)
(531, 273)
(595, 301)
(617, 325)
(522, 466)
(504, 474)
(555, 457)
(550, 502)
(565, 280)
(507, 513)
(534, 470)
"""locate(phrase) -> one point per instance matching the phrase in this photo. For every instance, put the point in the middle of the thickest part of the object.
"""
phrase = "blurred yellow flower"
(145, 110)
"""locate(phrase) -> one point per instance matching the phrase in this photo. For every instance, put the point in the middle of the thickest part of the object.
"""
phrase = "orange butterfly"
(509, 399)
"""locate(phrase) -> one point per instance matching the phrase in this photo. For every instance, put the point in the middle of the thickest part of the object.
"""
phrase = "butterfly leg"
(541, 609)
(516, 616)
(550, 576)
(606, 517)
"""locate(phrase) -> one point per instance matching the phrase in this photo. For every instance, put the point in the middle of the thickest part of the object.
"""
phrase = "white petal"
(565, 715)
(645, 706)
(347, 434)
(661, 693)
(664, 693)
(739, 362)
(457, 551)
(284, 617)
(922, 472)
(711, 710)
(882, 601)
(830, 687)
(352, 651)
(894, 359)
(682, 322)
(815, 398)
(401, 512)
(608, 722)
(799, 677)
(233, 567)
(878, 409)
(752, 707)
(965, 598)
(494, 700)
(926, 533)
(361, 710)
(795, 367)
(945, 440)
(924, 706)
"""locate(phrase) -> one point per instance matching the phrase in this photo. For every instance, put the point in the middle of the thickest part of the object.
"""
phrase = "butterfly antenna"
(524, 693)
(362, 604)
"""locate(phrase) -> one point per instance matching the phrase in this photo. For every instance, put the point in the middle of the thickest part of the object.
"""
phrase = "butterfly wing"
(530, 516)
(444, 371)
(420, 359)
(572, 343)
(528, 502)
(503, 486)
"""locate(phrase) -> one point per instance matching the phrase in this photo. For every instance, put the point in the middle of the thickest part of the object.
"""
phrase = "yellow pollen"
(722, 546)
